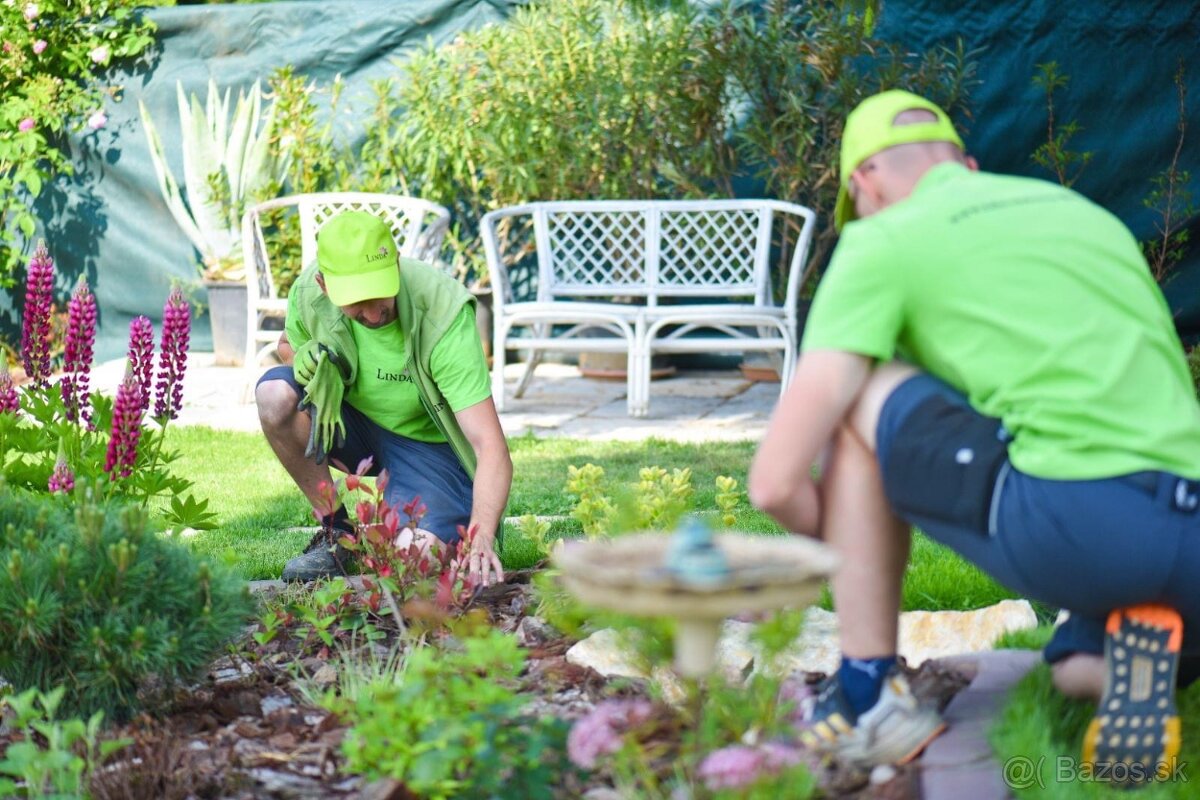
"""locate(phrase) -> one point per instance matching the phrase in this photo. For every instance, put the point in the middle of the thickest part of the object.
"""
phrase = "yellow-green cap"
(357, 257)
(871, 127)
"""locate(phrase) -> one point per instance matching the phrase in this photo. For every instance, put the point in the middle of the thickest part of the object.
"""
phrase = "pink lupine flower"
(35, 327)
(31, 12)
(10, 403)
(77, 356)
(63, 478)
(172, 356)
(39, 47)
(99, 54)
(26, 124)
(97, 120)
(601, 732)
(141, 358)
(126, 427)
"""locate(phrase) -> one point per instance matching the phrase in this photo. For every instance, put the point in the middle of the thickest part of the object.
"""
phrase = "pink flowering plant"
(54, 58)
(54, 430)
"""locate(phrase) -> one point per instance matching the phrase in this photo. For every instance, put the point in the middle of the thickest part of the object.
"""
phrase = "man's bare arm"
(493, 479)
(824, 389)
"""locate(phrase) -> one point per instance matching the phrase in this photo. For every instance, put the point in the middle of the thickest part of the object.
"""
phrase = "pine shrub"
(94, 600)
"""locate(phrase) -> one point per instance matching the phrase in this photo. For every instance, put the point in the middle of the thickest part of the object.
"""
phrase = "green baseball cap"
(871, 128)
(357, 257)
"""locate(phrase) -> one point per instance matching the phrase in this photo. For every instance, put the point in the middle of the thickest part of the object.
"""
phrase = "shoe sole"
(899, 745)
(1136, 722)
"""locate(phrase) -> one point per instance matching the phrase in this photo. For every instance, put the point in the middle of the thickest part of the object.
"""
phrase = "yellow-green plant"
(728, 497)
(662, 498)
(535, 531)
(593, 509)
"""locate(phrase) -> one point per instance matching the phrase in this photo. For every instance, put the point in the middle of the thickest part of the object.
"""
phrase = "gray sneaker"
(893, 731)
(322, 558)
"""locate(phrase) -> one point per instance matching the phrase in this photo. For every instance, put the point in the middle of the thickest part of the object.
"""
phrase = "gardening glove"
(323, 395)
(304, 364)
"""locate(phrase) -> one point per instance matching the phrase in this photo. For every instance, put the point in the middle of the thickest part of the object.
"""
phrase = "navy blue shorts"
(430, 470)
(1089, 546)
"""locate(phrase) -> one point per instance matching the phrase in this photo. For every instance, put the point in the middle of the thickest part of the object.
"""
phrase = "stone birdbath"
(696, 577)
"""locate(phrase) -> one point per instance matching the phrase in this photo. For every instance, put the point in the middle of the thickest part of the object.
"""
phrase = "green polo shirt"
(384, 390)
(1035, 303)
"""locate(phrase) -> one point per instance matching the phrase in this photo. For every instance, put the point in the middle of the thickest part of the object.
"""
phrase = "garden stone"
(923, 634)
(605, 652)
(533, 631)
(324, 677)
(274, 702)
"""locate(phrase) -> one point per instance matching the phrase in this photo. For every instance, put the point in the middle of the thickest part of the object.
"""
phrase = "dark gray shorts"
(1089, 546)
(428, 470)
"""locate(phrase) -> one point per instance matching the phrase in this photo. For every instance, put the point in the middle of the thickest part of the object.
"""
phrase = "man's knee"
(277, 401)
(864, 414)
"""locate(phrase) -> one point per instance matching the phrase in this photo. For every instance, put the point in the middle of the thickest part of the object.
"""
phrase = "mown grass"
(256, 503)
(1040, 735)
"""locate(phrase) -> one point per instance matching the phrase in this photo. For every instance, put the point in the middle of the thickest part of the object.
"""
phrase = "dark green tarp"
(111, 223)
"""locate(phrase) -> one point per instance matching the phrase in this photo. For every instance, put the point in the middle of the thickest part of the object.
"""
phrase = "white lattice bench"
(645, 274)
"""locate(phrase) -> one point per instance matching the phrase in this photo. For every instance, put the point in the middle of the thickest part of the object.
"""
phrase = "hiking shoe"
(1135, 736)
(893, 731)
(322, 558)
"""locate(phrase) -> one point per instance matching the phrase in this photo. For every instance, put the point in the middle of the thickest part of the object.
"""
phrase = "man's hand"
(479, 559)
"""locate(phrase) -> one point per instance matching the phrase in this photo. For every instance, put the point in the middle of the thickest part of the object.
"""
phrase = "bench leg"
(499, 340)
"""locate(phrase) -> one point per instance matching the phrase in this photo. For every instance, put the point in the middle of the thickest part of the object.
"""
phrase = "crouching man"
(1042, 424)
(393, 342)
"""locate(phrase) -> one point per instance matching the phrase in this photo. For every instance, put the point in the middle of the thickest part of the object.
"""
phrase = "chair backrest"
(418, 226)
(651, 249)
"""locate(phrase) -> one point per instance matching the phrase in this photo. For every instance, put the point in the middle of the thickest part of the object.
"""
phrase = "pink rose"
(97, 120)
(31, 11)
(99, 54)
(26, 124)
(39, 46)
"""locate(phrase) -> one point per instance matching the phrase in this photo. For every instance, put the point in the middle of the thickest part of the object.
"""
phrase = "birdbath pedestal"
(697, 578)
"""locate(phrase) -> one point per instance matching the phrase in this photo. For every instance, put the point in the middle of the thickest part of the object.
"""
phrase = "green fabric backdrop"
(110, 222)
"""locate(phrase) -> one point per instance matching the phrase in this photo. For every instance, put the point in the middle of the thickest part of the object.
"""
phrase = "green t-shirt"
(1032, 301)
(385, 392)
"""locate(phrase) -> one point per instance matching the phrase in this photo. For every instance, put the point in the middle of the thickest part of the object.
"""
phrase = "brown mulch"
(246, 732)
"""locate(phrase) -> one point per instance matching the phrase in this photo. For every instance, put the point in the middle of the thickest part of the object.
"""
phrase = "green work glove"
(304, 364)
(323, 395)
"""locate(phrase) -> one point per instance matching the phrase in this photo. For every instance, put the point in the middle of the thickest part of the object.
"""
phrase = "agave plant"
(224, 163)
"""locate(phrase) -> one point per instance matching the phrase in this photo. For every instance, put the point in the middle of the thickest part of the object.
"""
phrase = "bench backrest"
(418, 227)
(648, 250)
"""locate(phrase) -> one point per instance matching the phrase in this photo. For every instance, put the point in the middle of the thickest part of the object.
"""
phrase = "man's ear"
(971, 163)
(321, 283)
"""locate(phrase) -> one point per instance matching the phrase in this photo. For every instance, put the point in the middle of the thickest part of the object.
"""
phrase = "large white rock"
(923, 635)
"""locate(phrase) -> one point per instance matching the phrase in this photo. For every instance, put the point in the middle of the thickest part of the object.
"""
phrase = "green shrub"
(96, 602)
(449, 725)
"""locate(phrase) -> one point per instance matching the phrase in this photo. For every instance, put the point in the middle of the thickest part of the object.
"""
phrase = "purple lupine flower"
(77, 356)
(126, 427)
(600, 732)
(35, 327)
(10, 403)
(63, 478)
(172, 356)
(141, 357)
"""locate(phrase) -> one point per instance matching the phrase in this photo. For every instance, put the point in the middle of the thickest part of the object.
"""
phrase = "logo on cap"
(383, 253)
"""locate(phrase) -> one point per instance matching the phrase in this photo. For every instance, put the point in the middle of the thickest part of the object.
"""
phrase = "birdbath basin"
(699, 582)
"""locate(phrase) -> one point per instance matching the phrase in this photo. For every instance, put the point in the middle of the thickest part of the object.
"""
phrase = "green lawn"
(256, 502)
(1044, 730)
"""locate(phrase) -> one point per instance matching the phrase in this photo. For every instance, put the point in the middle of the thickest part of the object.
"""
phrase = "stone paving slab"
(692, 406)
(960, 762)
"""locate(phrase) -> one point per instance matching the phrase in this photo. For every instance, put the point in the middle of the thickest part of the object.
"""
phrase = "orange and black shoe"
(1135, 736)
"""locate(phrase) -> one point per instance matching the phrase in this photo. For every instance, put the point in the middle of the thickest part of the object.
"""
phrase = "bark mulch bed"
(246, 732)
